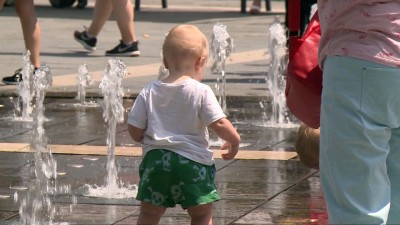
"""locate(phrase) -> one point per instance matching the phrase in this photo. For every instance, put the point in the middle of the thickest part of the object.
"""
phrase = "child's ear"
(201, 62)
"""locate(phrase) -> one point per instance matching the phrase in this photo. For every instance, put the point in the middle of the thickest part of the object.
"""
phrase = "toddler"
(170, 118)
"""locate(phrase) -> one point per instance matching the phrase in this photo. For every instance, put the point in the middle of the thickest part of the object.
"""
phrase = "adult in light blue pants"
(360, 112)
(360, 141)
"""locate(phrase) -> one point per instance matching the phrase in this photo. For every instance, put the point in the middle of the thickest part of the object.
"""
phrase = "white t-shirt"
(175, 117)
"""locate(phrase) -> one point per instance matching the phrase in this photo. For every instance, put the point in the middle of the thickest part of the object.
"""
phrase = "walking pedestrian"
(31, 32)
(124, 13)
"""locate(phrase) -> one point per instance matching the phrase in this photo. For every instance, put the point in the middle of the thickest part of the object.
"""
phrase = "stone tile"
(248, 190)
(7, 202)
(264, 138)
(301, 204)
(12, 160)
(174, 220)
(83, 169)
(287, 175)
(267, 216)
(224, 212)
(92, 214)
(307, 194)
(235, 208)
(15, 130)
(270, 164)
(268, 155)
(7, 215)
(165, 220)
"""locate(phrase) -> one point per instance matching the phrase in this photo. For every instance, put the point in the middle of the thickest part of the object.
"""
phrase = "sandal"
(255, 9)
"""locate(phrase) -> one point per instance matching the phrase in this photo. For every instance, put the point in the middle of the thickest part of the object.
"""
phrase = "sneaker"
(124, 50)
(14, 79)
(89, 43)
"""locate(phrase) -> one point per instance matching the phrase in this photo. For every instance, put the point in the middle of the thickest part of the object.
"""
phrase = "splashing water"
(113, 113)
(221, 47)
(83, 80)
(44, 161)
(25, 90)
(36, 206)
(276, 82)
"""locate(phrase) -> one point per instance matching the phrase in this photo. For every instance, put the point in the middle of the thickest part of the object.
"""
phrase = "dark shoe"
(87, 42)
(14, 79)
(124, 50)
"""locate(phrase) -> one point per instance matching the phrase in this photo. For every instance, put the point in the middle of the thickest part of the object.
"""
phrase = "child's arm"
(225, 130)
(136, 133)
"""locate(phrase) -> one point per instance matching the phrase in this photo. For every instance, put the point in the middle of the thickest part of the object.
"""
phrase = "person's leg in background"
(124, 13)
(30, 28)
(31, 32)
(88, 38)
(101, 13)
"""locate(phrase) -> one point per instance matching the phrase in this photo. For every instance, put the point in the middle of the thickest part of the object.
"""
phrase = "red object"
(303, 75)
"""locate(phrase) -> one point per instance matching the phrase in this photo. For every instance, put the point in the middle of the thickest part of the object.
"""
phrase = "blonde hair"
(307, 146)
(184, 43)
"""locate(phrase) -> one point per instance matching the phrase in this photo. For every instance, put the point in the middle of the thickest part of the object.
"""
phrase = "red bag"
(303, 75)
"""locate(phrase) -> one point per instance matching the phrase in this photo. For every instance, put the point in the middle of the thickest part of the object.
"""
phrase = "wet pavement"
(266, 184)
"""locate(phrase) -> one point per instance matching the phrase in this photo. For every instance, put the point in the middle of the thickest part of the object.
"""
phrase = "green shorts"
(167, 179)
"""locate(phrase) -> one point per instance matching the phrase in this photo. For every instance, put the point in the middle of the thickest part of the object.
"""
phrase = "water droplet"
(90, 158)
(19, 188)
(76, 165)
(4, 196)
(16, 197)
(74, 199)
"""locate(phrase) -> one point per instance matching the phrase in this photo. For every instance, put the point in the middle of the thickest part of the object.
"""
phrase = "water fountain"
(276, 81)
(83, 80)
(23, 103)
(25, 89)
(113, 113)
(221, 46)
(36, 206)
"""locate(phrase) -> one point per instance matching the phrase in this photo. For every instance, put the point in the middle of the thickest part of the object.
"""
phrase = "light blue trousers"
(360, 141)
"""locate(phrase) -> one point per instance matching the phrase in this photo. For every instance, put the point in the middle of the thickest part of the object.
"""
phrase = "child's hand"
(232, 151)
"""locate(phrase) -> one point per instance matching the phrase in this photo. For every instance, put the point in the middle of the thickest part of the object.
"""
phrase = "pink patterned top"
(365, 29)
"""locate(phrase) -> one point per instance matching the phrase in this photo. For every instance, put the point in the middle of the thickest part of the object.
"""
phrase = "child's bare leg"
(201, 214)
(149, 214)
